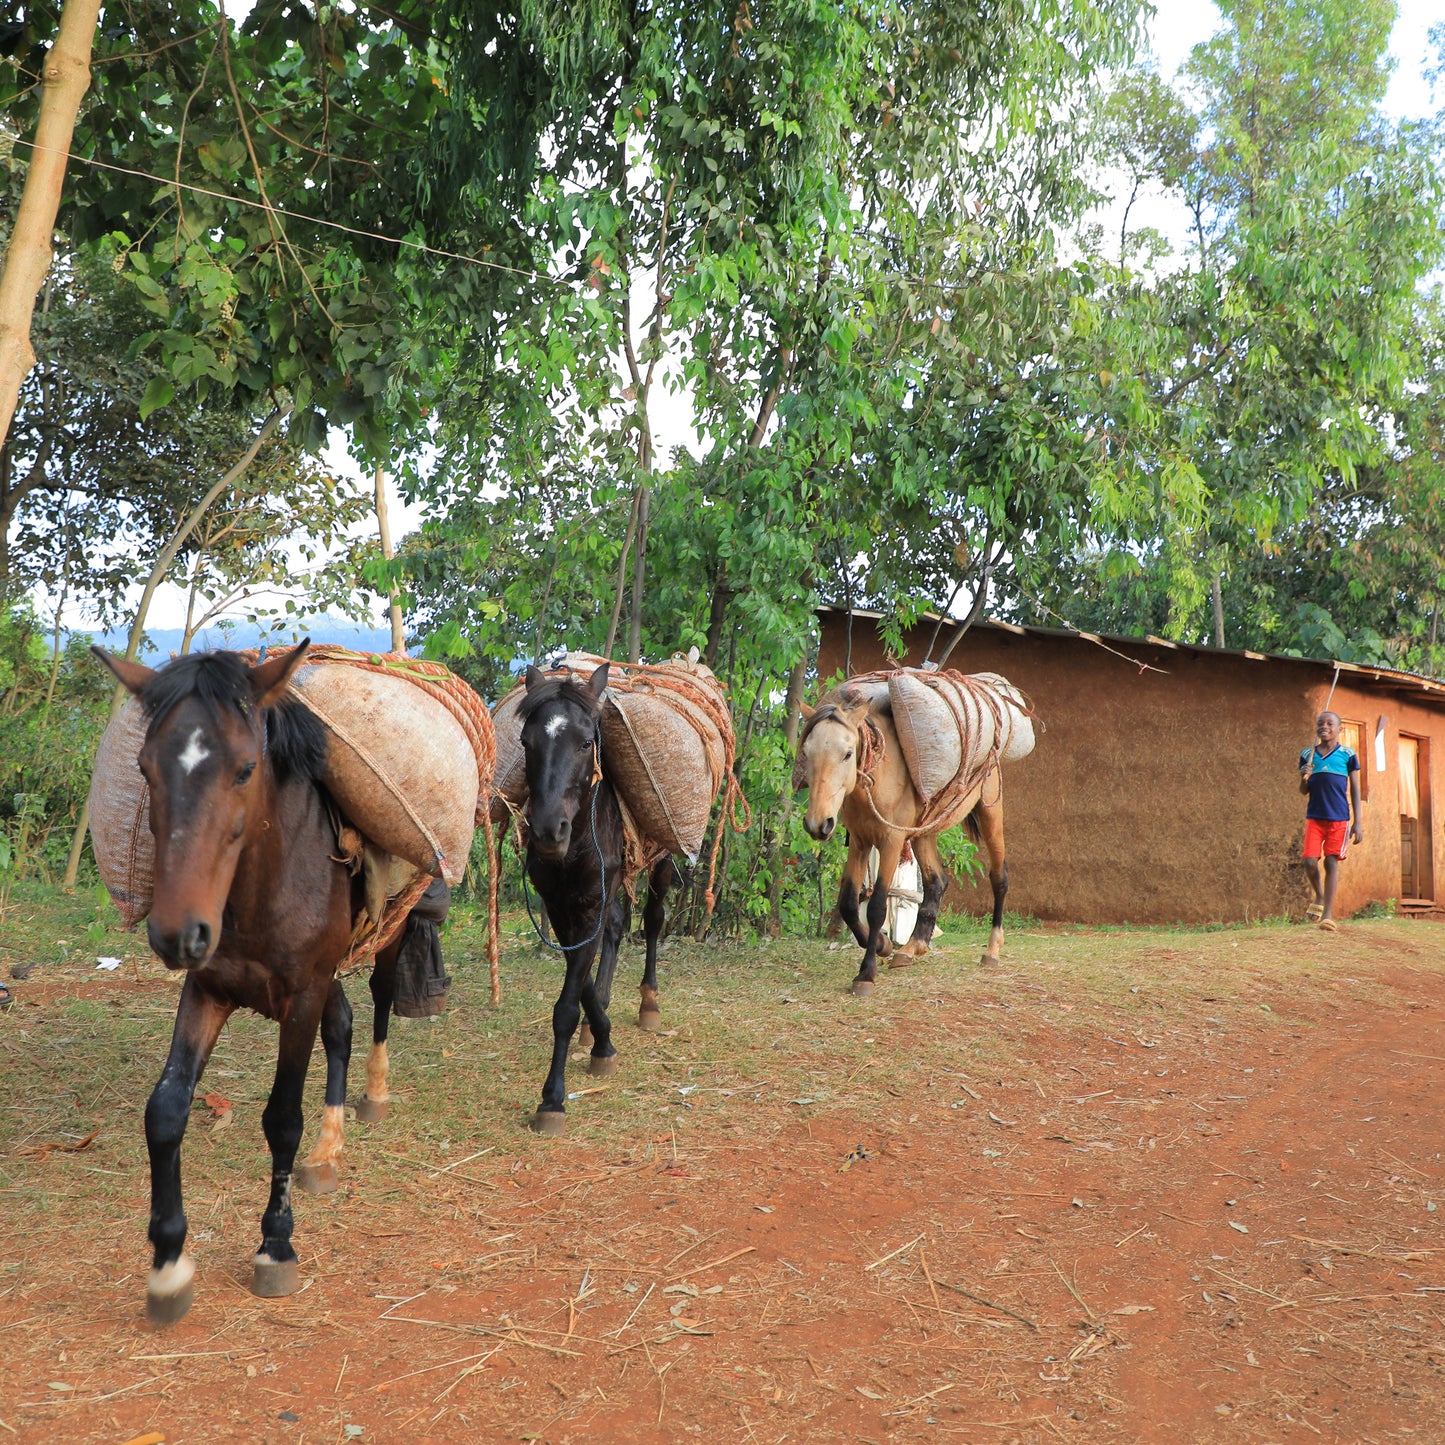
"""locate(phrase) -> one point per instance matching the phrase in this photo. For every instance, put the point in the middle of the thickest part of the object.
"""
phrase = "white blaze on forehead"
(556, 723)
(196, 752)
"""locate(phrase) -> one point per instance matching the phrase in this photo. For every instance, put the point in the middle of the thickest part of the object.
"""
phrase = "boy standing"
(1329, 775)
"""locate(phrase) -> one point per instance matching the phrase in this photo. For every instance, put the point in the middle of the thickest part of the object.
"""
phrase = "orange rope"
(369, 938)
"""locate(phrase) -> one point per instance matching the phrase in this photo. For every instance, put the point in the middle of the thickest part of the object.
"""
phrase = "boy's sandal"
(1329, 925)
(1314, 912)
(6, 997)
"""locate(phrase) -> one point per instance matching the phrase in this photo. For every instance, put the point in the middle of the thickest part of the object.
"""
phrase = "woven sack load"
(120, 801)
(847, 694)
(667, 737)
(949, 724)
(509, 786)
(400, 765)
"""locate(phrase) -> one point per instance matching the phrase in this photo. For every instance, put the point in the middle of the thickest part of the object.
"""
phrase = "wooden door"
(1410, 880)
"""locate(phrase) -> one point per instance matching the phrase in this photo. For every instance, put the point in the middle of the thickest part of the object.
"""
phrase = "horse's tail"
(970, 823)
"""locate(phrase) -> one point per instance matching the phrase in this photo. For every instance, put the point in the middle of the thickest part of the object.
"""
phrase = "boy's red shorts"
(1324, 838)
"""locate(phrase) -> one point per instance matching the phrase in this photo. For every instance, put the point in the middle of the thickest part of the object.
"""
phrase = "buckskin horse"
(577, 861)
(253, 905)
(851, 762)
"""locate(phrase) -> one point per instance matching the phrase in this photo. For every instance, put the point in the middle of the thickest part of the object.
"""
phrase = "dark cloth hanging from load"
(421, 977)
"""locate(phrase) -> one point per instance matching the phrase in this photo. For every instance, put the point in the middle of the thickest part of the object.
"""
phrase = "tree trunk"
(793, 705)
(717, 615)
(66, 78)
(1216, 590)
(383, 526)
(158, 572)
(639, 577)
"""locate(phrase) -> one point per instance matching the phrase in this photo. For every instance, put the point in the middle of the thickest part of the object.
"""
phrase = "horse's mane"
(568, 686)
(296, 741)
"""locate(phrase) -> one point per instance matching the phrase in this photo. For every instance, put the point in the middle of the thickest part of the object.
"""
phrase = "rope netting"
(704, 693)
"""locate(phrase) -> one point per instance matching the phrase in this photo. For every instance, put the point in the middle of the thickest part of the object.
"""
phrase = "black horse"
(576, 857)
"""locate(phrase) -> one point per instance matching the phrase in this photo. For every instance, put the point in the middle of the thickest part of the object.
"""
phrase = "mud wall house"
(1165, 786)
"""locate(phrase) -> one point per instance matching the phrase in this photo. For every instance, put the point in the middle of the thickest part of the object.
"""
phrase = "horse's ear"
(597, 683)
(533, 677)
(806, 711)
(269, 678)
(132, 676)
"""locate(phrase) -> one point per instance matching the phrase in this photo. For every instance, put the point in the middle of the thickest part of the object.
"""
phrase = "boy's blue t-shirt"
(1330, 783)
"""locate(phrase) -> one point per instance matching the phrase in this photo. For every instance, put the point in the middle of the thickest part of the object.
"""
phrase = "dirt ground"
(1130, 1186)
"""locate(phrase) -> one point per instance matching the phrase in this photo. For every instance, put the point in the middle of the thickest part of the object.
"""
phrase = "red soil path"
(1223, 1229)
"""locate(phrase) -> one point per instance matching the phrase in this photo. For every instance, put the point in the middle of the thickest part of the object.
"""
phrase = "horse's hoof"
(885, 946)
(862, 987)
(318, 1178)
(551, 1122)
(371, 1111)
(600, 1068)
(170, 1292)
(902, 960)
(989, 960)
(584, 1036)
(274, 1278)
(649, 1019)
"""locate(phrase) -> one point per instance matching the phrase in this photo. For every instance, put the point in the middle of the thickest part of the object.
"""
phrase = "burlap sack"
(946, 726)
(663, 746)
(510, 780)
(120, 803)
(399, 764)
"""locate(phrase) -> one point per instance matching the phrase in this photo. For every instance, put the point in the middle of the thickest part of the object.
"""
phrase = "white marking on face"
(555, 724)
(195, 754)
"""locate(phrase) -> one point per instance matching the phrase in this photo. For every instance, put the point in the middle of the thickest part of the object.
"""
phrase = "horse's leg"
(989, 817)
(619, 916)
(274, 1271)
(890, 849)
(595, 996)
(662, 877)
(935, 881)
(199, 1019)
(371, 1106)
(551, 1116)
(851, 889)
(317, 1175)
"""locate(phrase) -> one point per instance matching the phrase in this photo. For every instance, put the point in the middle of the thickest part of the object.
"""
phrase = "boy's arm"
(1306, 767)
(1357, 831)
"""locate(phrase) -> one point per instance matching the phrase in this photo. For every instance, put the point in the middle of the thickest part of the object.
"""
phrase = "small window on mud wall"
(1352, 735)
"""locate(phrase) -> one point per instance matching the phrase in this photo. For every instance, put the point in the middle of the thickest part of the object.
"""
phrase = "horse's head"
(204, 757)
(828, 760)
(560, 718)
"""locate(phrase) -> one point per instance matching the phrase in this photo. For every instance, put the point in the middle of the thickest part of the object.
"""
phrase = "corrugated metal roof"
(1385, 679)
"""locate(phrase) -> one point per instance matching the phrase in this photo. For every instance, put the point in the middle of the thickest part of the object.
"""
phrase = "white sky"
(1174, 31)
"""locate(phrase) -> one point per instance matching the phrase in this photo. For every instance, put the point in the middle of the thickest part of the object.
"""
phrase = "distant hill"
(325, 628)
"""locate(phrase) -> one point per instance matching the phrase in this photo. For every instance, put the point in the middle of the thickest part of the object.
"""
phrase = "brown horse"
(851, 762)
(253, 904)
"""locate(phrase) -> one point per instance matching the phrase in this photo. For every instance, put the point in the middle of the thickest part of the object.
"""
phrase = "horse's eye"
(243, 775)
(848, 756)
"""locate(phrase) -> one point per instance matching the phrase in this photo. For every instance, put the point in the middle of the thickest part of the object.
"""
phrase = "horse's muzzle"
(551, 841)
(189, 948)
(821, 830)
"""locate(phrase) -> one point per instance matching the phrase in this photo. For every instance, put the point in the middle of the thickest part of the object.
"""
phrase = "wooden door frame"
(1425, 844)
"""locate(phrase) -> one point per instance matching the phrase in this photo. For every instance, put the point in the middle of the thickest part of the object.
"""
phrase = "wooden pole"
(65, 78)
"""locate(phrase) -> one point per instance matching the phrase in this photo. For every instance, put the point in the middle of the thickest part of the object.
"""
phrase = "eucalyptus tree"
(1265, 364)
(774, 212)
